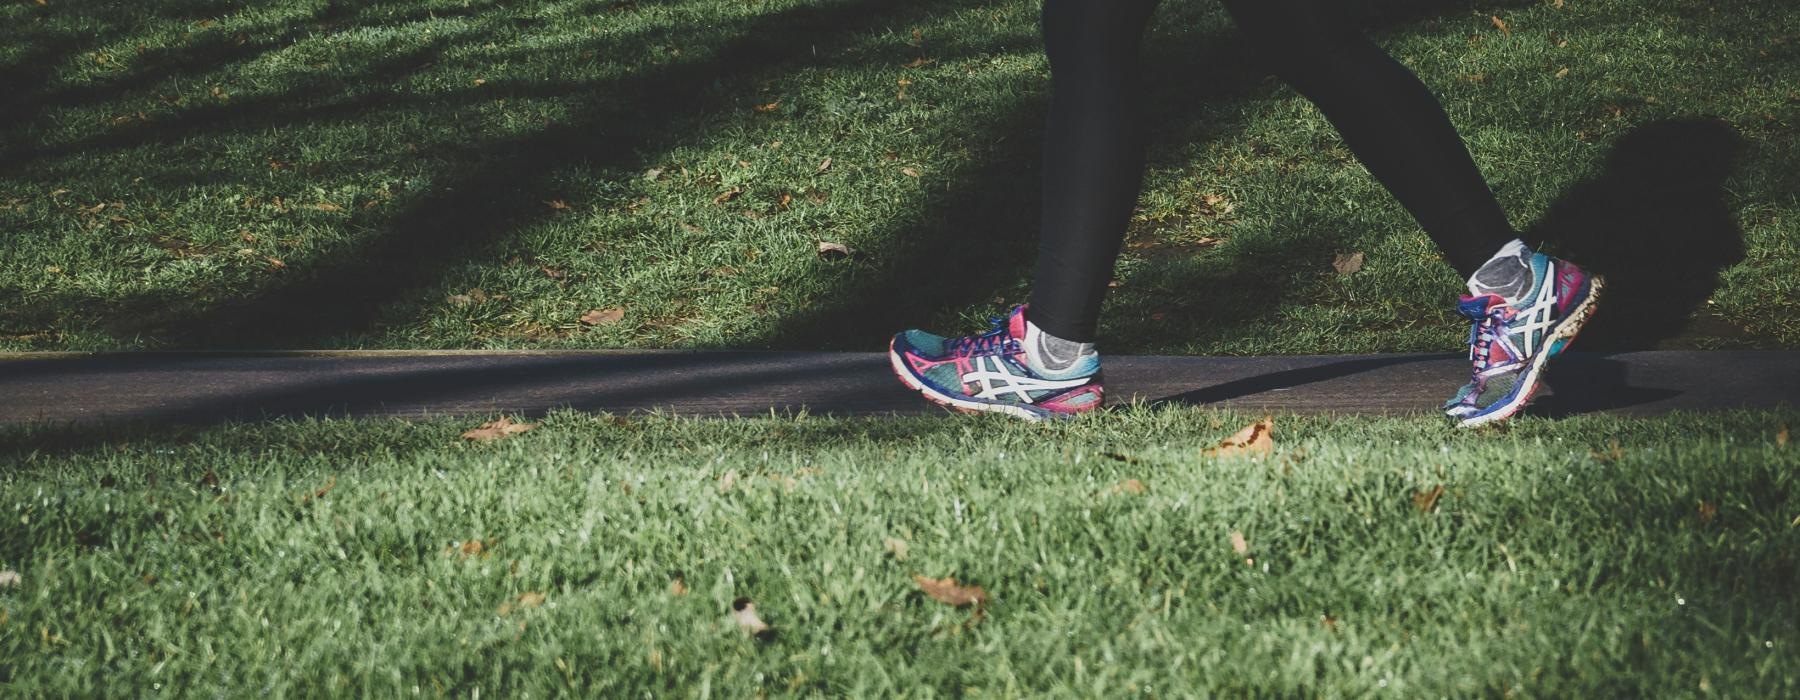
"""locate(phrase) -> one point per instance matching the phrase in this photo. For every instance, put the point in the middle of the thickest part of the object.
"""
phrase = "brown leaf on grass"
(10, 579)
(744, 613)
(767, 108)
(728, 195)
(676, 587)
(526, 601)
(1781, 437)
(275, 262)
(911, 172)
(1708, 512)
(1254, 439)
(327, 206)
(330, 483)
(1238, 543)
(557, 204)
(496, 429)
(918, 37)
(209, 481)
(1132, 486)
(1564, 73)
(946, 591)
(835, 251)
(470, 548)
(825, 165)
(921, 62)
(601, 317)
(1216, 205)
(1500, 24)
(1425, 501)
(786, 199)
(1347, 263)
(1613, 452)
(653, 174)
(552, 272)
(896, 547)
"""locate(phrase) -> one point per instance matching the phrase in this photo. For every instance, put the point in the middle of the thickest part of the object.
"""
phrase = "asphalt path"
(193, 388)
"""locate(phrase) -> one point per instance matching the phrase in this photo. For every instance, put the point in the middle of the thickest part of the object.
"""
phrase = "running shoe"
(989, 372)
(1509, 346)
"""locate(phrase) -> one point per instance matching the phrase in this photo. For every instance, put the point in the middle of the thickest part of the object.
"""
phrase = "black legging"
(1094, 150)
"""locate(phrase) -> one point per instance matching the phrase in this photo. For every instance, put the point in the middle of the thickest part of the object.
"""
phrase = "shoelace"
(1481, 342)
(993, 342)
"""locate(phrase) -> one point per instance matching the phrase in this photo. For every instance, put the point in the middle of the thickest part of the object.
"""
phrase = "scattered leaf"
(1425, 501)
(767, 108)
(209, 481)
(921, 62)
(1708, 512)
(728, 480)
(10, 578)
(1347, 263)
(459, 299)
(744, 612)
(552, 272)
(496, 429)
(896, 547)
(526, 601)
(728, 195)
(1328, 621)
(327, 206)
(825, 165)
(786, 199)
(1564, 73)
(653, 174)
(1238, 543)
(835, 251)
(480, 82)
(1500, 24)
(601, 317)
(557, 204)
(676, 587)
(1255, 438)
(918, 37)
(911, 172)
(1132, 486)
(1781, 437)
(275, 262)
(946, 591)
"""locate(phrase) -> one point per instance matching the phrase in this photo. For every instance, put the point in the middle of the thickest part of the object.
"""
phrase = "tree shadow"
(1655, 223)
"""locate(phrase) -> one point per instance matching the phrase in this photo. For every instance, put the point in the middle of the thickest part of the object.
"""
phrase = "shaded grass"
(1591, 556)
(412, 173)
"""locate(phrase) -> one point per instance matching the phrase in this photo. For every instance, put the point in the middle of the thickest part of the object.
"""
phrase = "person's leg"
(1526, 306)
(1093, 158)
(1387, 117)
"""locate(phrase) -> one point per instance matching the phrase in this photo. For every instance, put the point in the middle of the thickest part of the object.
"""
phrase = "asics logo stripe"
(991, 374)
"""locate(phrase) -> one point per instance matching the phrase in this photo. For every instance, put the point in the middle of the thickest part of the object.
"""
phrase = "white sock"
(1049, 355)
(1507, 274)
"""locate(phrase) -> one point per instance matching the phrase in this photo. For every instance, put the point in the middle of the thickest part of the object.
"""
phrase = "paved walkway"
(206, 387)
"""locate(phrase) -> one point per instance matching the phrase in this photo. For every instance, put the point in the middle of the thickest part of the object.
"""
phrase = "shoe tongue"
(1476, 307)
(1015, 322)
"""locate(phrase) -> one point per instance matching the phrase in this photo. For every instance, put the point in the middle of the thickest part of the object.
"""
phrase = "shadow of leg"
(1656, 224)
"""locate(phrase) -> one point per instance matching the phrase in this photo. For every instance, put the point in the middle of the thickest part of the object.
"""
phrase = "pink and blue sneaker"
(991, 372)
(1510, 344)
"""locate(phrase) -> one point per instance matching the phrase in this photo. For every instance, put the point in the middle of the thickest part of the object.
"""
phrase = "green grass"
(428, 173)
(1590, 557)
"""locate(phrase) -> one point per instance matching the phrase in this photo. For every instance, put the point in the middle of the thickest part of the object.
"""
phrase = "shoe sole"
(1530, 383)
(906, 376)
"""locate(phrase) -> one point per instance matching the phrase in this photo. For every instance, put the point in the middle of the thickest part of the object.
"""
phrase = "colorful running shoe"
(989, 372)
(1509, 346)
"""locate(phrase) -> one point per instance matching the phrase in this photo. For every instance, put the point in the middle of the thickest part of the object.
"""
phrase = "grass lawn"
(1589, 557)
(477, 173)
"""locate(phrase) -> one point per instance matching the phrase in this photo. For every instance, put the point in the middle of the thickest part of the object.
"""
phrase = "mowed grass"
(1590, 557)
(429, 173)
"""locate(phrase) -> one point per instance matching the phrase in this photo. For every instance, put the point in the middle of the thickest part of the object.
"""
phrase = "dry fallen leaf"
(653, 174)
(825, 165)
(946, 591)
(1781, 437)
(1128, 486)
(327, 206)
(526, 601)
(1255, 438)
(1347, 263)
(896, 547)
(1708, 511)
(676, 587)
(1500, 24)
(601, 317)
(10, 578)
(1238, 543)
(470, 548)
(557, 204)
(786, 199)
(835, 251)
(921, 62)
(1425, 501)
(1564, 73)
(496, 429)
(911, 172)
(726, 481)
(767, 108)
(728, 195)
(744, 612)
